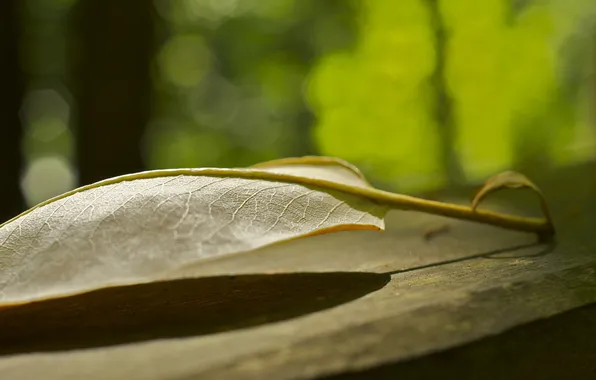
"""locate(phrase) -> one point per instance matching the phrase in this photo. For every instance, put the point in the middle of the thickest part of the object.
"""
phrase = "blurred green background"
(420, 94)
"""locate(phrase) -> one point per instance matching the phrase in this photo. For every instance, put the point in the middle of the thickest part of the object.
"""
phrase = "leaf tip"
(515, 180)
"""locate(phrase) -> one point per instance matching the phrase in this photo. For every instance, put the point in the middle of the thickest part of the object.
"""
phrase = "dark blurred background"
(421, 94)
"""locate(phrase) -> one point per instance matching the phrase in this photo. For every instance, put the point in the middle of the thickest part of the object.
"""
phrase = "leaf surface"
(131, 229)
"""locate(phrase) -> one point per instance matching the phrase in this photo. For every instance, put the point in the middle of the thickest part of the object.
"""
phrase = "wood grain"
(474, 299)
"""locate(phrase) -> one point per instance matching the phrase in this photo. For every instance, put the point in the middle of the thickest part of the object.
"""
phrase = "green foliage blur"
(230, 77)
(516, 79)
(420, 94)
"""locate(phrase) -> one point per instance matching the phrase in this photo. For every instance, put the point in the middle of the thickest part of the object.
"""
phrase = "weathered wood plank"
(560, 347)
(468, 285)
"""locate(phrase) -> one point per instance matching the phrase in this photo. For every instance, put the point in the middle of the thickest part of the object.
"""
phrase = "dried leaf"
(134, 228)
(131, 228)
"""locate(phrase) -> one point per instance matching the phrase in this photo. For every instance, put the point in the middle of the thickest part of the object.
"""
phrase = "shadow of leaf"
(527, 250)
(523, 251)
(175, 308)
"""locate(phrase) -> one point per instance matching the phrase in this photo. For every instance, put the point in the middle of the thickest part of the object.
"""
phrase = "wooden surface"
(472, 302)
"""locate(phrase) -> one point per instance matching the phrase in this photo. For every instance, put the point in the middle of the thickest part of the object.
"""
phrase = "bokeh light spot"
(184, 60)
(46, 177)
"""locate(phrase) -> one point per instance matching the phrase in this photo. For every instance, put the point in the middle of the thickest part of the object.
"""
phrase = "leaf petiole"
(543, 228)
